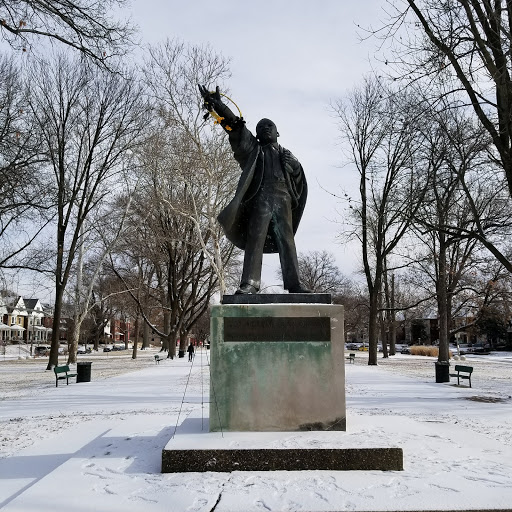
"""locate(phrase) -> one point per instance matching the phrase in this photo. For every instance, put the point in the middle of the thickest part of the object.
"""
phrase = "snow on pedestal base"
(194, 449)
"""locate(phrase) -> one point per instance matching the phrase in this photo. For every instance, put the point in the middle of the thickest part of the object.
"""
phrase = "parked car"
(352, 346)
(106, 349)
(41, 351)
(480, 348)
(363, 348)
(115, 347)
(464, 349)
(405, 350)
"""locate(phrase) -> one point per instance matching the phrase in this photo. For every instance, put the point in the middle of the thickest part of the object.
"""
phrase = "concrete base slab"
(194, 449)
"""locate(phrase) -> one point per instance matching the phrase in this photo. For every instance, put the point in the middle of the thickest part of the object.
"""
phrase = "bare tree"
(472, 38)
(356, 308)
(377, 125)
(491, 289)
(84, 25)
(465, 200)
(462, 50)
(90, 120)
(444, 204)
(319, 273)
(101, 311)
(201, 157)
(23, 202)
(105, 232)
(174, 242)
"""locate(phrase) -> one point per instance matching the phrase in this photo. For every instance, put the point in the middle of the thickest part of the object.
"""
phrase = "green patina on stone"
(285, 382)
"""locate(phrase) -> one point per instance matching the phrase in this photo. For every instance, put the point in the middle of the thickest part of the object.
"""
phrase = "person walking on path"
(190, 351)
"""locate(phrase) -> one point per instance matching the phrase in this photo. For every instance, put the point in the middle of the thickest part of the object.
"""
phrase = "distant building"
(23, 321)
(30, 321)
(120, 330)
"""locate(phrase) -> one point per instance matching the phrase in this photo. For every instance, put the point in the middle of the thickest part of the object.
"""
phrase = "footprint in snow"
(198, 504)
(261, 505)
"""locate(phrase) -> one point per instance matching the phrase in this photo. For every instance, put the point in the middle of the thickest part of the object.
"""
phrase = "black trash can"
(442, 371)
(83, 371)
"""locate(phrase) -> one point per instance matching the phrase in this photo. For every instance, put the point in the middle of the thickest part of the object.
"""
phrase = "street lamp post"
(32, 338)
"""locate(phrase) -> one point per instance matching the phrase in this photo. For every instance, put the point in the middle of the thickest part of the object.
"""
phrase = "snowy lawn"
(97, 445)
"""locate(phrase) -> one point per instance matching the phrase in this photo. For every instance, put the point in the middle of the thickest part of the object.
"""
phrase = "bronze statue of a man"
(264, 214)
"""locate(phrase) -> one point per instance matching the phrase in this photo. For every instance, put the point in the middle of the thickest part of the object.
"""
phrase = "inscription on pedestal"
(277, 329)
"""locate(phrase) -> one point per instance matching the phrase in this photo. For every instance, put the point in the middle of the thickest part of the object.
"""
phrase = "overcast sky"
(289, 60)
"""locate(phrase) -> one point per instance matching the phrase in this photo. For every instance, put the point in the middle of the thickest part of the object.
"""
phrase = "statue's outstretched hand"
(211, 99)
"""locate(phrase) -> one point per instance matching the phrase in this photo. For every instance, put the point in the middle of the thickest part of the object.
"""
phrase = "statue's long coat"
(234, 218)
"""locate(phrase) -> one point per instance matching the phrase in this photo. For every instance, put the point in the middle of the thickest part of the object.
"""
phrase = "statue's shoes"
(246, 289)
(299, 289)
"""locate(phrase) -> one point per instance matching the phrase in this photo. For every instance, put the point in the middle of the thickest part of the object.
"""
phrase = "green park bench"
(351, 358)
(62, 372)
(159, 358)
(463, 372)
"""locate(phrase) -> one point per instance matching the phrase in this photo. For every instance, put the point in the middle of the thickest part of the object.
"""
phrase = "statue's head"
(266, 131)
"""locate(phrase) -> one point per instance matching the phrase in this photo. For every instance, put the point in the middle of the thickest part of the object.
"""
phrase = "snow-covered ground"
(97, 445)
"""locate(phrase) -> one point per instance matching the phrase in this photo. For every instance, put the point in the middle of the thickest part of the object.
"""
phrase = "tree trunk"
(442, 305)
(77, 316)
(73, 342)
(172, 345)
(219, 264)
(136, 339)
(373, 327)
(392, 319)
(96, 345)
(183, 343)
(392, 338)
(57, 313)
(383, 325)
(166, 341)
(385, 340)
(145, 336)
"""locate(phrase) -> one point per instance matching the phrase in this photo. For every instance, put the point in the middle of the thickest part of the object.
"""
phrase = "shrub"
(425, 350)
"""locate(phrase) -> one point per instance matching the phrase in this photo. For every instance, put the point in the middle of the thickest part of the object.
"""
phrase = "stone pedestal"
(277, 367)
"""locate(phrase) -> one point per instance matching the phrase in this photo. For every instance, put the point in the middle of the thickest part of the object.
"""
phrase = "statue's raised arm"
(214, 104)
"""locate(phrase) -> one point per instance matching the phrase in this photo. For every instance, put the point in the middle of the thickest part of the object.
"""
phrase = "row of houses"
(24, 320)
(31, 321)
(425, 331)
